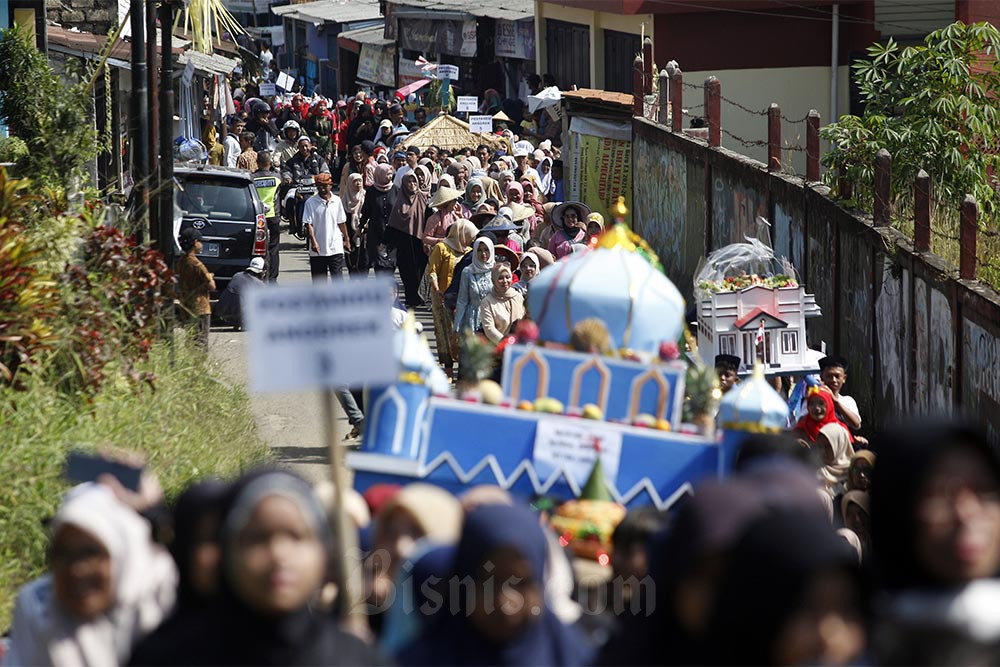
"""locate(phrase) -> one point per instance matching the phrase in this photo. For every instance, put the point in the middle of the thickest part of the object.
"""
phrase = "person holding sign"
(326, 224)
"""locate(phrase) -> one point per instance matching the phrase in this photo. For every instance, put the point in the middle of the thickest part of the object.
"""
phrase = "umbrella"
(547, 97)
(412, 87)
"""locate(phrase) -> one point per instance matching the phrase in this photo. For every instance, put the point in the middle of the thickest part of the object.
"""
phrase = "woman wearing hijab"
(440, 268)
(459, 172)
(354, 200)
(108, 586)
(531, 198)
(935, 512)
(475, 283)
(502, 307)
(423, 180)
(528, 269)
(547, 185)
(515, 193)
(406, 228)
(791, 595)
(820, 412)
(378, 205)
(568, 221)
(276, 550)
(447, 210)
(492, 102)
(355, 165)
(418, 511)
(834, 445)
(475, 196)
(504, 623)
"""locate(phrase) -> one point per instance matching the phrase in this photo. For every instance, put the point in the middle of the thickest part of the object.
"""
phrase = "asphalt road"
(291, 423)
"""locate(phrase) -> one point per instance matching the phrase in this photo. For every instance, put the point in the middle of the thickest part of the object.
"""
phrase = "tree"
(52, 115)
(933, 107)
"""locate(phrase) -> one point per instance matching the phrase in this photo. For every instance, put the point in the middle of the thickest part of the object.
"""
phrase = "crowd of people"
(819, 546)
(757, 568)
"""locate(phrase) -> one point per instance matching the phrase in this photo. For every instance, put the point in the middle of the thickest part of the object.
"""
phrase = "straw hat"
(521, 212)
(500, 224)
(508, 255)
(444, 195)
(558, 211)
(500, 115)
(481, 219)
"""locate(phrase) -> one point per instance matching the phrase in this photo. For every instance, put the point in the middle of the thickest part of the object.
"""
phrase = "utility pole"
(152, 125)
(138, 131)
(165, 198)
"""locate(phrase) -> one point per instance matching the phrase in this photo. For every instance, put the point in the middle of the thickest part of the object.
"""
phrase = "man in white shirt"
(833, 373)
(326, 224)
(232, 142)
(265, 58)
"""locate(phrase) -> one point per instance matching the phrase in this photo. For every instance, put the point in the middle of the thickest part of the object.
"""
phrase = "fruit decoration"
(737, 283)
(644, 421)
(586, 524)
(526, 405)
(549, 405)
(591, 411)
(590, 336)
(669, 351)
(491, 392)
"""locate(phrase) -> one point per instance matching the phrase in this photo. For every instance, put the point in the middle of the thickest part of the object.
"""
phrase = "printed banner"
(604, 173)
(376, 64)
(454, 38)
(515, 39)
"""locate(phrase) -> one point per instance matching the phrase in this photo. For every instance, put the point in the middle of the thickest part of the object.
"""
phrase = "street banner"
(316, 336)
(376, 64)
(604, 172)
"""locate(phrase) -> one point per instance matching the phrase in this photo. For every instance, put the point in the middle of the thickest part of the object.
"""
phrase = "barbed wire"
(745, 142)
(790, 121)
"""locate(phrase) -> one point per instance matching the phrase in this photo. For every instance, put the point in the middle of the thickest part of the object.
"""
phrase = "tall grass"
(192, 425)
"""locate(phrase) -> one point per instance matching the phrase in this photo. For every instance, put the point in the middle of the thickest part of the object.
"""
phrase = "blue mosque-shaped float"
(561, 409)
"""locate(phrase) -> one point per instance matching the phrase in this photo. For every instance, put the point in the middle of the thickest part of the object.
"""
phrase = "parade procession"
(436, 332)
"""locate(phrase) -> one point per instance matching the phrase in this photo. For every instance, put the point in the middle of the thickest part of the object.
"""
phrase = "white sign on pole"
(468, 103)
(573, 445)
(268, 90)
(480, 124)
(447, 71)
(285, 82)
(331, 335)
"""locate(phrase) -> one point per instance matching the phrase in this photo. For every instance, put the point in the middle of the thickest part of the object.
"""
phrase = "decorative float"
(595, 403)
(751, 306)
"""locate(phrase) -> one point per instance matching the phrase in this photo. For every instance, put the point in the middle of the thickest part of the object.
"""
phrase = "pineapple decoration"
(703, 392)
(477, 361)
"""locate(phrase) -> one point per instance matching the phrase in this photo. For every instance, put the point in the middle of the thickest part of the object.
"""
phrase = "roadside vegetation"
(87, 359)
(934, 107)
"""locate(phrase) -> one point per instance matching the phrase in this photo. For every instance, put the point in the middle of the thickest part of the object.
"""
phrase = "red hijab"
(809, 426)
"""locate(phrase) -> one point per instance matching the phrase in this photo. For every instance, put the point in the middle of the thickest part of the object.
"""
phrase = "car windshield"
(221, 199)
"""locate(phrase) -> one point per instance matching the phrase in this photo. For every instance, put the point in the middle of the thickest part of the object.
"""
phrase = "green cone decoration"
(596, 487)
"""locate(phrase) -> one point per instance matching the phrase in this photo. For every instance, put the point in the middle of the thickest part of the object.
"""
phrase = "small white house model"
(758, 323)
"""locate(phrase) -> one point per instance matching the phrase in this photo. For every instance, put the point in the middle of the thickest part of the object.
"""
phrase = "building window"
(619, 53)
(727, 345)
(568, 48)
(789, 342)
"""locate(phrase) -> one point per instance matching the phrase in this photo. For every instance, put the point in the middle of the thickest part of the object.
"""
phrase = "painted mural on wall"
(981, 379)
(892, 325)
(735, 209)
(659, 213)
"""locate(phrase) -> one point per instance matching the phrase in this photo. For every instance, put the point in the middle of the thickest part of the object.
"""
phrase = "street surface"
(291, 423)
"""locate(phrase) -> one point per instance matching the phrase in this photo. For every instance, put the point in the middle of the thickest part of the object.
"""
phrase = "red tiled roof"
(755, 314)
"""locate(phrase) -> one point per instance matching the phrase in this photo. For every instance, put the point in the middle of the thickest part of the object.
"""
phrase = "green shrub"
(194, 424)
(12, 149)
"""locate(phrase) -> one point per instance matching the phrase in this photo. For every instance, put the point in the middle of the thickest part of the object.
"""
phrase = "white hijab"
(478, 266)
(144, 580)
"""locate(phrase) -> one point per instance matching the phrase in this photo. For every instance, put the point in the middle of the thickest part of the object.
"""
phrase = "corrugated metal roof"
(594, 95)
(373, 35)
(211, 63)
(334, 11)
(510, 10)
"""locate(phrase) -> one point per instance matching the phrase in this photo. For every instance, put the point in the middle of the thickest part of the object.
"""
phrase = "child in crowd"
(833, 374)
(726, 367)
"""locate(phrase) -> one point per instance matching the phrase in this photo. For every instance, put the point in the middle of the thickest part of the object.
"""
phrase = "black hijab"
(231, 632)
(769, 573)
(906, 457)
(453, 640)
(200, 502)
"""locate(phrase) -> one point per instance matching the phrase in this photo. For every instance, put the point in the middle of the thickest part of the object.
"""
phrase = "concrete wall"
(919, 340)
(597, 22)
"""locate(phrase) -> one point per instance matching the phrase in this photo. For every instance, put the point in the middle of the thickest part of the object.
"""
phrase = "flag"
(760, 334)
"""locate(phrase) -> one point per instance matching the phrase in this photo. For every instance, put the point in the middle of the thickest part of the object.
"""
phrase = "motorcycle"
(295, 199)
